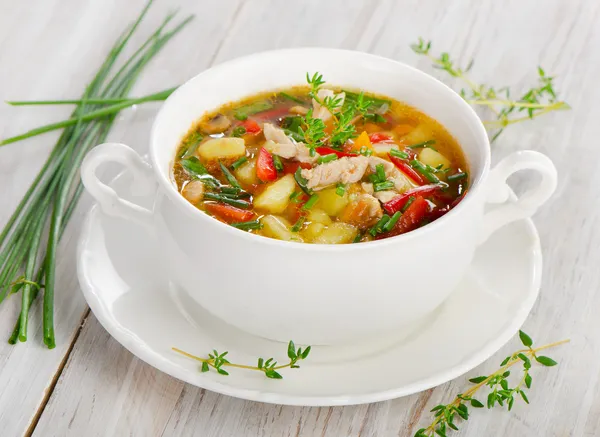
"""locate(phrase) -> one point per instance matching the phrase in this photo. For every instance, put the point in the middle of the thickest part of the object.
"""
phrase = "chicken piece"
(320, 111)
(193, 191)
(367, 187)
(282, 145)
(364, 211)
(275, 134)
(346, 170)
(219, 123)
(385, 196)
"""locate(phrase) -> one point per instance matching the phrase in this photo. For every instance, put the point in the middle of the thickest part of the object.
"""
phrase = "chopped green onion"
(243, 112)
(290, 97)
(409, 202)
(358, 237)
(323, 159)
(399, 153)
(295, 196)
(457, 176)
(312, 152)
(377, 102)
(340, 189)
(422, 145)
(415, 163)
(239, 163)
(382, 186)
(301, 181)
(298, 225)
(246, 226)
(238, 131)
(296, 136)
(392, 222)
(193, 166)
(233, 191)
(292, 123)
(278, 164)
(229, 176)
(233, 202)
(375, 118)
(379, 225)
(380, 171)
(365, 151)
(310, 202)
(190, 145)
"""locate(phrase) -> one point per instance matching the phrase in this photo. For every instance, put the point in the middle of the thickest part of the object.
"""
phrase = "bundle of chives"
(56, 189)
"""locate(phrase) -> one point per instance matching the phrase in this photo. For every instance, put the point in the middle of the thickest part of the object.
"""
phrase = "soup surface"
(318, 164)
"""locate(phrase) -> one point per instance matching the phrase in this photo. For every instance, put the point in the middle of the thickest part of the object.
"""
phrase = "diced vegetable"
(317, 215)
(229, 213)
(221, 148)
(230, 177)
(301, 181)
(326, 151)
(219, 123)
(382, 149)
(402, 129)
(278, 227)
(398, 202)
(190, 145)
(419, 134)
(193, 191)
(265, 167)
(405, 168)
(313, 230)
(243, 112)
(239, 162)
(457, 176)
(227, 199)
(324, 159)
(276, 197)
(246, 226)
(435, 159)
(379, 137)
(422, 145)
(246, 173)
(251, 127)
(337, 233)
(362, 141)
(310, 202)
(421, 168)
(331, 202)
(298, 225)
(411, 219)
(292, 98)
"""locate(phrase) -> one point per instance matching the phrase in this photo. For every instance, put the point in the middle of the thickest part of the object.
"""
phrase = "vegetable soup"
(319, 164)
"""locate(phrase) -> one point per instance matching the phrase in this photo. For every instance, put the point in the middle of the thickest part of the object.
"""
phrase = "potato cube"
(330, 202)
(337, 233)
(276, 197)
(278, 227)
(221, 148)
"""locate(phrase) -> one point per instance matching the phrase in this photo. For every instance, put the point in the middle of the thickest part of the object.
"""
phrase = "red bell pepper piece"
(291, 167)
(265, 167)
(251, 126)
(407, 169)
(329, 151)
(398, 202)
(379, 138)
(228, 213)
(273, 113)
(410, 220)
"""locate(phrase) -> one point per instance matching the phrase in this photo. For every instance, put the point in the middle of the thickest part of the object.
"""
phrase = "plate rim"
(505, 334)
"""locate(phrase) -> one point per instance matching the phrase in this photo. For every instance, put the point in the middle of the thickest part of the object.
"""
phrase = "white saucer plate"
(128, 292)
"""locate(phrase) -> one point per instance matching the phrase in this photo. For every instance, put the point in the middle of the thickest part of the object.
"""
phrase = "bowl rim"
(190, 210)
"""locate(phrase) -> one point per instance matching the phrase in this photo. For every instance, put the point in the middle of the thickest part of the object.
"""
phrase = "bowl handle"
(109, 201)
(498, 191)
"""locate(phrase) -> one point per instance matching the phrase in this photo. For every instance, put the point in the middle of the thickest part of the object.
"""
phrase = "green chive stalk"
(57, 188)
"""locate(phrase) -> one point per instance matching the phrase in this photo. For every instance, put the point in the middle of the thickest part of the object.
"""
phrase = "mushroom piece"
(219, 123)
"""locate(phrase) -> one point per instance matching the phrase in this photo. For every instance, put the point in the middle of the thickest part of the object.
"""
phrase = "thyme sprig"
(537, 101)
(269, 366)
(343, 115)
(500, 391)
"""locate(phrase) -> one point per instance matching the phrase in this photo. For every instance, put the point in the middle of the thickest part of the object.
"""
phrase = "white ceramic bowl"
(316, 294)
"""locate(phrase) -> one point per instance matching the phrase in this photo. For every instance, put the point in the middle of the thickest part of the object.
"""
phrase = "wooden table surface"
(91, 386)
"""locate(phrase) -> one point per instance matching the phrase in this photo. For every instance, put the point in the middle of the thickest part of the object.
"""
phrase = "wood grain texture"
(105, 391)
